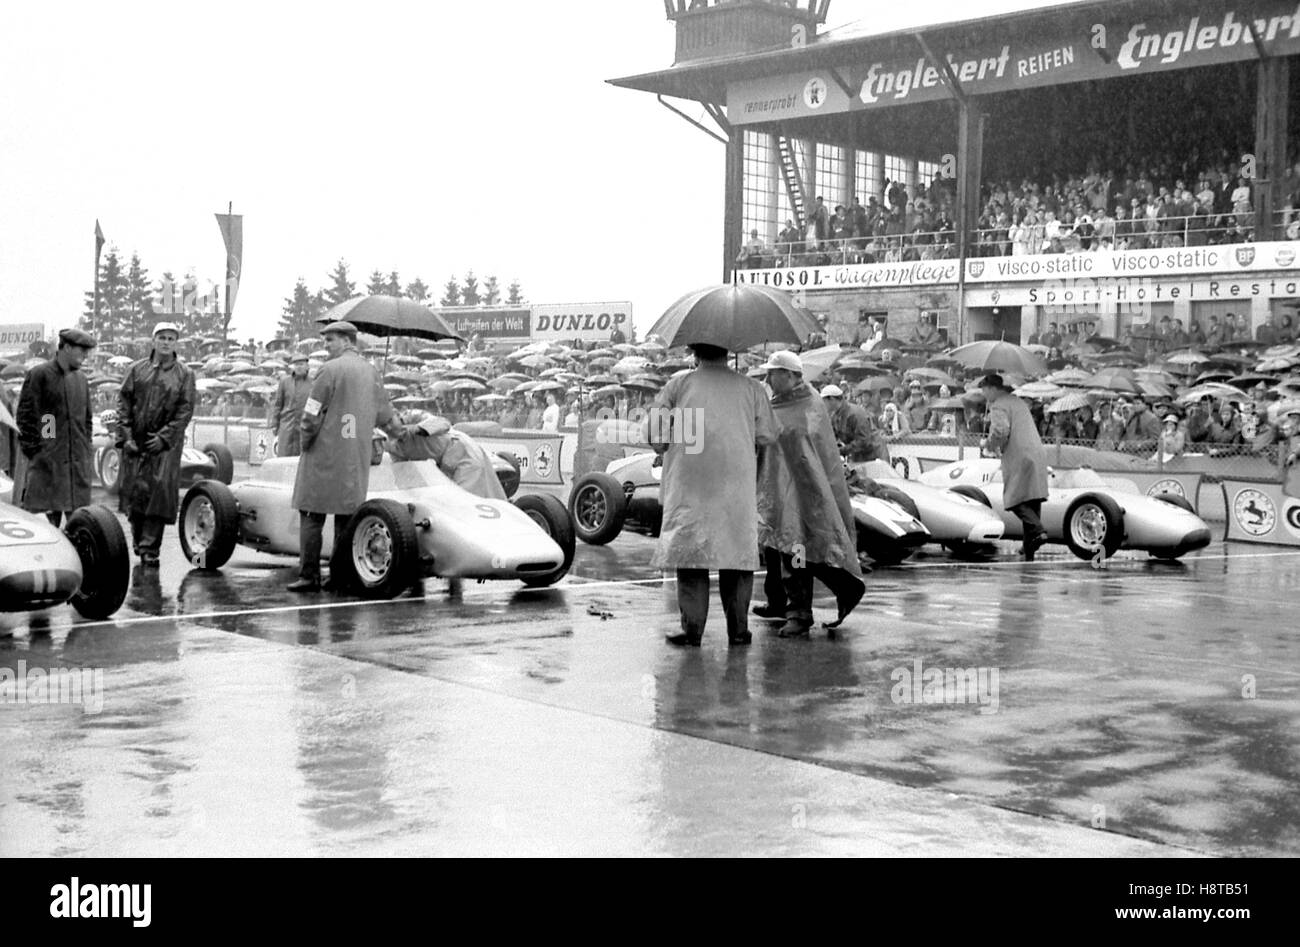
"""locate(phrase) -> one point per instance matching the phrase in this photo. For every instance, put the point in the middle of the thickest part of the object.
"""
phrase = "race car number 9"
(16, 531)
(487, 512)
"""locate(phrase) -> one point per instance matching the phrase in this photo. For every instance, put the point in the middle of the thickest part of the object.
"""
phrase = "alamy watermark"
(38, 685)
(651, 425)
(935, 685)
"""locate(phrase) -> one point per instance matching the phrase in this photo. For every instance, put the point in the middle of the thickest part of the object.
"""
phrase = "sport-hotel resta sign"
(1103, 49)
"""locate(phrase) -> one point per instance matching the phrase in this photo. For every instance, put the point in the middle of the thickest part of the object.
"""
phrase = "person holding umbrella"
(154, 408)
(338, 420)
(1024, 460)
(710, 500)
(286, 409)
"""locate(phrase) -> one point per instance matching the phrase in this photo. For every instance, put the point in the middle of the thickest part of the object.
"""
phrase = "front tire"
(549, 513)
(1094, 522)
(223, 462)
(380, 550)
(598, 507)
(209, 524)
(105, 557)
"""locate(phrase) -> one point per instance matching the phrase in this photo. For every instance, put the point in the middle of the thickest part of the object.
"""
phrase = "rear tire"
(208, 524)
(598, 508)
(105, 557)
(223, 462)
(549, 513)
(380, 551)
(1094, 521)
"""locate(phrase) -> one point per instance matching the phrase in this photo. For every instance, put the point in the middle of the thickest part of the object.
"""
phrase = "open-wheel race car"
(1088, 513)
(87, 563)
(415, 523)
(213, 462)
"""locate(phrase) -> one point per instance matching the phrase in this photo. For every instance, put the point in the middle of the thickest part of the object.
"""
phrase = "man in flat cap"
(338, 420)
(286, 408)
(1013, 434)
(154, 409)
(54, 432)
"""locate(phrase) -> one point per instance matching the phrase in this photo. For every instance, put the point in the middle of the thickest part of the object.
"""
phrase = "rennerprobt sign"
(1080, 48)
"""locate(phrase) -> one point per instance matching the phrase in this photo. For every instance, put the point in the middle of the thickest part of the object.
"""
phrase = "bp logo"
(1284, 256)
(1167, 486)
(975, 268)
(1255, 512)
(543, 457)
(814, 93)
(1245, 256)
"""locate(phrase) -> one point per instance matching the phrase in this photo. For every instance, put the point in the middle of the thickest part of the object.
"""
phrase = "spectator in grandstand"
(1226, 429)
(1110, 427)
(1199, 421)
(751, 254)
(819, 221)
(1105, 227)
(789, 243)
(1217, 334)
(1267, 333)
(1141, 430)
(1055, 359)
(1286, 331)
(916, 410)
(1084, 426)
(1172, 439)
(1241, 203)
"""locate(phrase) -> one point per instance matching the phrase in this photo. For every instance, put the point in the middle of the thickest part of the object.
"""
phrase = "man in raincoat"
(805, 521)
(286, 410)
(154, 408)
(857, 436)
(707, 424)
(347, 400)
(424, 436)
(55, 430)
(1024, 461)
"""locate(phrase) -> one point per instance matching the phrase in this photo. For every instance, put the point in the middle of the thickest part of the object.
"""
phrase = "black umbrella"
(734, 318)
(387, 316)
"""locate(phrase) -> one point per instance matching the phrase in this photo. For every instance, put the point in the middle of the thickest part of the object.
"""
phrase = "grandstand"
(1120, 161)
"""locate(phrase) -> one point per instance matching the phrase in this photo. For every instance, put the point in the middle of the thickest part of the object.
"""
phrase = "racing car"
(1086, 512)
(414, 523)
(214, 461)
(888, 527)
(87, 563)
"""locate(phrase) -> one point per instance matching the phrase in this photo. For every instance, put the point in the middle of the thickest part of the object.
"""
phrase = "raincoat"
(54, 435)
(803, 501)
(338, 420)
(709, 422)
(1024, 461)
(853, 428)
(286, 412)
(457, 454)
(155, 399)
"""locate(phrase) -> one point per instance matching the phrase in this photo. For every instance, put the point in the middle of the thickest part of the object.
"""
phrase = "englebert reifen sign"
(1200, 35)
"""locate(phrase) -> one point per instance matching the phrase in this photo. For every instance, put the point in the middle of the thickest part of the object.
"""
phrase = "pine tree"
(469, 292)
(491, 291)
(450, 293)
(393, 285)
(515, 295)
(342, 288)
(113, 324)
(139, 297)
(298, 316)
(377, 284)
(417, 290)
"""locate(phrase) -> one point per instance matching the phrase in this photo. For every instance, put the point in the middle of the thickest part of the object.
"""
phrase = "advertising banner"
(855, 276)
(538, 455)
(1063, 294)
(18, 335)
(1076, 48)
(1263, 512)
(1229, 258)
(492, 324)
(591, 322)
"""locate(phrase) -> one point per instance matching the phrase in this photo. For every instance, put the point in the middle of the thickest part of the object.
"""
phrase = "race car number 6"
(12, 529)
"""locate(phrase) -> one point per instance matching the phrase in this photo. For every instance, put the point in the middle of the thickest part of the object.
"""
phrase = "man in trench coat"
(286, 409)
(55, 430)
(707, 425)
(1024, 461)
(154, 408)
(338, 420)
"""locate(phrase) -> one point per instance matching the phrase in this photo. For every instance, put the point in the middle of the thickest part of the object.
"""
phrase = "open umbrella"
(1278, 363)
(879, 383)
(467, 384)
(1213, 390)
(602, 379)
(408, 401)
(630, 364)
(549, 386)
(817, 361)
(1186, 357)
(535, 361)
(525, 387)
(624, 348)
(608, 390)
(994, 356)
(1039, 391)
(1115, 379)
(734, 317)
(640, 384)
(387, 316)
(407, 360)
(490, 399)
(603, 361)
(503, 383)
(1071, 402)
(1251, 379)
(118, 361)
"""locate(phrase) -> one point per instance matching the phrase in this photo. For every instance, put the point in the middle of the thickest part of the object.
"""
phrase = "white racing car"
(87, 563)
(1085, 511)
(415, 522)
(963, 525)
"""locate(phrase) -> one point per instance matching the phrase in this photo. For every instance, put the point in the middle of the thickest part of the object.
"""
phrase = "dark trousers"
(147, 534)
(735, 588)
(1030, 514)
(791, 590)
(55, 517)
(311, 530)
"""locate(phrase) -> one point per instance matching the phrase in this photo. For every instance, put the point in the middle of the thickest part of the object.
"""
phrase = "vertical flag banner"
(232, 232)
(94, 310)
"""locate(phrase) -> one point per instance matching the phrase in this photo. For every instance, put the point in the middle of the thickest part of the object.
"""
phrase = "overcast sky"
(425, 137)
